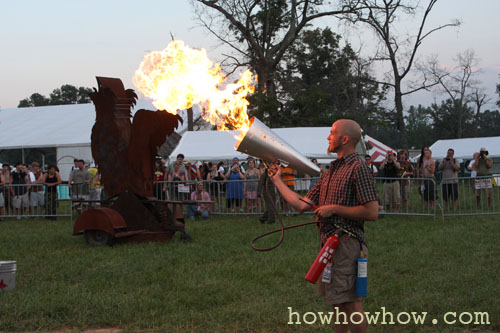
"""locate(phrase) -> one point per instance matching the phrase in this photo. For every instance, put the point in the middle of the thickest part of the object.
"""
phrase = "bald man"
(346, 197)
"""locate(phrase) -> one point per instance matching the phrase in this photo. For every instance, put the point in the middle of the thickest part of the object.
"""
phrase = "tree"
(35, 99)
(498, 92)
(489, 123)
(459, 85)
(419, 127)
(322, 82)
(67, 94)
(444, 119)
(261, 31)
(399, 51)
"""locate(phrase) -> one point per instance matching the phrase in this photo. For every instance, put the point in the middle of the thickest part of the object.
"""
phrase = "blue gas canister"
(361, 279)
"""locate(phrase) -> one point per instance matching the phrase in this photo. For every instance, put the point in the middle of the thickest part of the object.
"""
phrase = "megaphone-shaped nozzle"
(260, 141)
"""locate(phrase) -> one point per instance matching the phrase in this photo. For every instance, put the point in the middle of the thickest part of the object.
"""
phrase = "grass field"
(218, 283)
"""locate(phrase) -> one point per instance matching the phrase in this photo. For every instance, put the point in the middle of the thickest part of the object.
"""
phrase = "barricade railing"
(243, 197)
(34, 201)
(463, 196)
(407, 196)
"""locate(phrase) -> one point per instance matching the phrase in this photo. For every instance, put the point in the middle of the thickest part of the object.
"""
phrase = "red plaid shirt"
(349, 182)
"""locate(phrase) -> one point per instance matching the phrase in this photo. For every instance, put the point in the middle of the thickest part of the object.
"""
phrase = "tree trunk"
(398, 100)
(460, 109)
(190, 119)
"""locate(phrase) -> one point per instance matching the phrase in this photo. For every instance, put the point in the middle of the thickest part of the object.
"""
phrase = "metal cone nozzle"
(260, 141)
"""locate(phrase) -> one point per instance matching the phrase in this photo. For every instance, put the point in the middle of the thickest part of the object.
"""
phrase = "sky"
(45, 44)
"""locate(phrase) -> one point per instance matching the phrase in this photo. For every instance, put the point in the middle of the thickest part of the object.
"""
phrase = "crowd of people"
(241, 186)
(26, 188)
(395, 172)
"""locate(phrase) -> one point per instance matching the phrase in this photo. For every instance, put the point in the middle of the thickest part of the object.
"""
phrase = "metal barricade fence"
(230, 196)
(470, 196)
(398, 196)
(34, 201)
(407, 196)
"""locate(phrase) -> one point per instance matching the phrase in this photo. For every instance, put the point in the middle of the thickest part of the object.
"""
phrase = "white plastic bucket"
(7, 275)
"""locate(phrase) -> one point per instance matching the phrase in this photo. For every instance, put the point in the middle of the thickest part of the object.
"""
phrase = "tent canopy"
(219, 145)
(465, 148)
(378, 150)
(53, 125)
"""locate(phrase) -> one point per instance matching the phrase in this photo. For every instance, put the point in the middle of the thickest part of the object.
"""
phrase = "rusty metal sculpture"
(124, 152)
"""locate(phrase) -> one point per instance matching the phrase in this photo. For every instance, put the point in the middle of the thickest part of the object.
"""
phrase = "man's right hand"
(274, 172)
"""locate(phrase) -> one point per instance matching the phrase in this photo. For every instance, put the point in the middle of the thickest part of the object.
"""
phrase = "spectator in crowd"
(426, 166)
(36, 195)
(471, 168)
(234, 188)
(95, 184)
(267, 191)
(192, 173)
(78, 183)
(220, 167)
(252, 176)
(75, 164)
(175, 178)
(51, 179)
(449, 184)
(391, 168)
(215, 177)
(205, 170)
(180, 161)
(20, 199)
(288, 175)
(405, 171)
(4, 191)
(158, 179)
(199, 209)
(373, 168)
(483, 164)
(315, 179)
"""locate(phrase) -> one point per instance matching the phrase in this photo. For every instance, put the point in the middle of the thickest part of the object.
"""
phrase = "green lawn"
(218, 283)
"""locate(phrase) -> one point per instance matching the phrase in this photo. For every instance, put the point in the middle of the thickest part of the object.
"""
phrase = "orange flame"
(179, 77)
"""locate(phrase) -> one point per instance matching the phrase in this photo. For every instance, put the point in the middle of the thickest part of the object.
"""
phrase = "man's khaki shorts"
(21, 200)
(342, 287)
(391, 193)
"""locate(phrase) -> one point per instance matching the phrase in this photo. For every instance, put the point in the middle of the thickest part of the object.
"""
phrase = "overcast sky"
(45, 44)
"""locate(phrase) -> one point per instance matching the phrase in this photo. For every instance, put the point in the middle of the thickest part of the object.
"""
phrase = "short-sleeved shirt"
(349, 182)
(449, 174)
(203, 197)
(482, 168)
(390, 171)
(79, 177)
(287, 179)
(405, 168)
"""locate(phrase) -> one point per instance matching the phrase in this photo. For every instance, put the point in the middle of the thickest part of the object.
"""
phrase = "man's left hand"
(325, 211)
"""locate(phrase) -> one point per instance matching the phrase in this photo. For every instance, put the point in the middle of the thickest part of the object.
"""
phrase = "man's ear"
(345, 139)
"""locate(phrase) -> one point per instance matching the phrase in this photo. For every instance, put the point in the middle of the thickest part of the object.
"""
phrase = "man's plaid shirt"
(349, 182)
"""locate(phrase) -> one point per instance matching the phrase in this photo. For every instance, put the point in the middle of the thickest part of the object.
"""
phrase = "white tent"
(219, 145)
(465, 148)
(66, 128)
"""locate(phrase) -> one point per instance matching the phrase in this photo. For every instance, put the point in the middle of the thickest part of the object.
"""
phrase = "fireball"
(179, 77)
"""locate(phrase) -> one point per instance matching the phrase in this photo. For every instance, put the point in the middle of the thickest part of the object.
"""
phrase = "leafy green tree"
(498, 92)
(322, 82)
(489, 123)
(35, 99)
(444, 119)
(67, 94)
(419, 127)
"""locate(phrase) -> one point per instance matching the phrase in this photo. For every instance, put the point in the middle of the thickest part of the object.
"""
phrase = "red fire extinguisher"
(322, 259)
